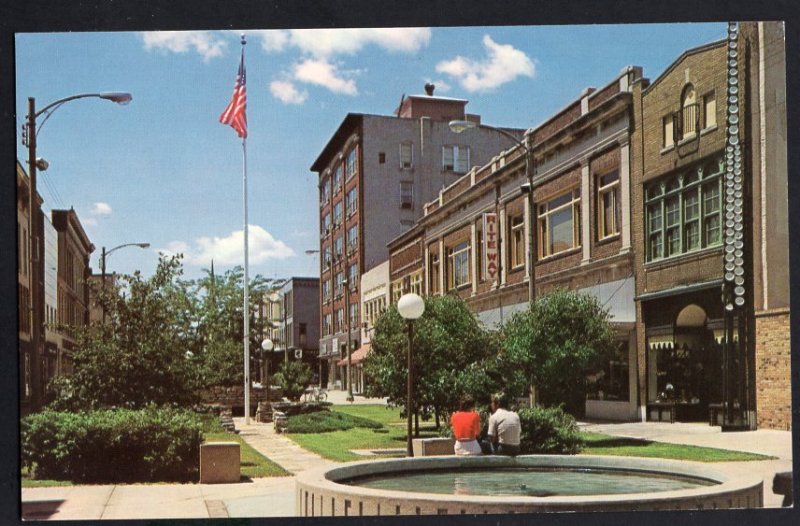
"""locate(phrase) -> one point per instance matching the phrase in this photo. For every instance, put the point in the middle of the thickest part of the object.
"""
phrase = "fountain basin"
(327, 492)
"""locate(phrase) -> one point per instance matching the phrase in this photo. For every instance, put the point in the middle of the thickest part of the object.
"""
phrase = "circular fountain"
(525, 484)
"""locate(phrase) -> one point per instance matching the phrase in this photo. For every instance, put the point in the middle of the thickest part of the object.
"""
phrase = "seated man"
(504, 427)
(466, 425)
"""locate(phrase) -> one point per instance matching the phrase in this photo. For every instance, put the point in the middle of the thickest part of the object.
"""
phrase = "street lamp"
(458, 126)
(103, 255)
(410, 306)
(29, 134)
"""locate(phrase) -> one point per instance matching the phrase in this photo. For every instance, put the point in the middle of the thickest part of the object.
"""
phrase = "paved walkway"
(763, 441)
(274, 497)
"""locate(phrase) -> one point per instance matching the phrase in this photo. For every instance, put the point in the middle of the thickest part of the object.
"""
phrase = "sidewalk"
(264, 497)
(763, 441)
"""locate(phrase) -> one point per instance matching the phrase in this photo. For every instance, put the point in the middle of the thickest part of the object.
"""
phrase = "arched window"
(689, 111)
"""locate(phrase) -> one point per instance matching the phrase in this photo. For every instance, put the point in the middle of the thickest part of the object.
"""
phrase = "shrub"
(326, 421)
(548, 430)
(110, 446)
(293, 378)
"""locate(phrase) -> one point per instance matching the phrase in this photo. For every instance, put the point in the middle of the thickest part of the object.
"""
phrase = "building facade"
(293, 312)
(72, 289)
(666, 200)
(474, 239)
(375, 174)
(710, 209)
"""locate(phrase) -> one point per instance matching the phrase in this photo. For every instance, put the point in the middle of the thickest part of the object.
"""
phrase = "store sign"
(490, 243)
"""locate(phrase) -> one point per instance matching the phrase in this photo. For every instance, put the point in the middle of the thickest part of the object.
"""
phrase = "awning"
(356, 357)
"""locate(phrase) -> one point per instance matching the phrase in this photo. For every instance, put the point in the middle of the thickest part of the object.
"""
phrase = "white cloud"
(287, 93)
(205, 43)
(230, 250)
(327, 42)
(325, 74)
(101, 209)
(89, 221)
(502, 64)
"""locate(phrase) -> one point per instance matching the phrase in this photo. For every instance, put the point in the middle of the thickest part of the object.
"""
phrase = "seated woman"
(466, 425)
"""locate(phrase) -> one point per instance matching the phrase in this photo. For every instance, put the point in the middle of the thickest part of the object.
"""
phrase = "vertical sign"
(490, 252)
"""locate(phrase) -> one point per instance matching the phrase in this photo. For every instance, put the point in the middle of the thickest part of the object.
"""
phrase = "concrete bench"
(219, 462)
(428, 447)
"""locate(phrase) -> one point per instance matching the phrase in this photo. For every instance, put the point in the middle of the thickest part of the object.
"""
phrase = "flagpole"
(246, 309)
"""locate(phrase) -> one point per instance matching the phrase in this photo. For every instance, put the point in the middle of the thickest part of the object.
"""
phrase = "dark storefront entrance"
(684, 358)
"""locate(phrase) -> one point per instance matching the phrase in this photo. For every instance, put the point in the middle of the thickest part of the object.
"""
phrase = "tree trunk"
(436, 412)
(416, 424)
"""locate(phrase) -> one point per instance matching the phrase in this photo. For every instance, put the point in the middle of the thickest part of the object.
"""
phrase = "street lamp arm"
(140, 245)
(118, 97)
(458, 126)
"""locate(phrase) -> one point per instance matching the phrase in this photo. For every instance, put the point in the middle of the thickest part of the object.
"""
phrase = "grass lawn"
(27, 482)
(337, 445)
(254, 464)
(599, 444)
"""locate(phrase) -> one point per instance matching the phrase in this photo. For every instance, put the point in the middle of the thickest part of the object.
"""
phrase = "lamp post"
(29, 139)
(266, 346)
(410, 306)
(458, 126)
(103, 255)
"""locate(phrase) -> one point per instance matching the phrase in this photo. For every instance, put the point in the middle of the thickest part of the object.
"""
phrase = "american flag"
(235, 114)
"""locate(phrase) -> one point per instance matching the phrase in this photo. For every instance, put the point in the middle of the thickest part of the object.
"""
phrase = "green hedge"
(109, 446)
(548, 430)
(325, 421)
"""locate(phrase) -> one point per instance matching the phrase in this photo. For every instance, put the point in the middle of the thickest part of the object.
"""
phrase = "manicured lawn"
(254, 464)
(379, 413)
(337, 445)
(599, 444)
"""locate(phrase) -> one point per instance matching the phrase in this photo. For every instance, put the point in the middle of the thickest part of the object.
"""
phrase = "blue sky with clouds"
(163, 170)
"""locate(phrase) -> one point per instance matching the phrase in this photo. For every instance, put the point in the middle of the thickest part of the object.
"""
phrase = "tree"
(556, 343)
(453, 356)
(221, 324)
(293, 378)
(138, 356)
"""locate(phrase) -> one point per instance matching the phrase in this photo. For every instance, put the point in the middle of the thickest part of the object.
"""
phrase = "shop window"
(516, 241)
(458, 266)
(560, 224)
(684, 212)
(608, 205)
(611, 381)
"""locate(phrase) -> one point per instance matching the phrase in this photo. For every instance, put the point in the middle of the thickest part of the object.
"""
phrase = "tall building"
(711, 237)
(375, 174)
(294, 316)
(73, 273)
(474, 238)
(666, 200)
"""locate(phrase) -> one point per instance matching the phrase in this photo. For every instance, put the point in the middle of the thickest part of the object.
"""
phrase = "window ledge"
(710, 129)
(561, 254)
(666, 149)
(608, 239)
(686, 257)
(688, 139)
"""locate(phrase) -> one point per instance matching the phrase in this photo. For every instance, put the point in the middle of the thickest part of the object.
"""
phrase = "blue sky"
(163, 170)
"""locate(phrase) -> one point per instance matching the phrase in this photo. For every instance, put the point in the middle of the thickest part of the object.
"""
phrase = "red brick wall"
(773, 378)
(407, 259)
(603, 95)
(569, 115)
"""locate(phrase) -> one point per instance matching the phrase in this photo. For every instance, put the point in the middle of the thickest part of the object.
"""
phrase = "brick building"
(293, 311)
(716, 104)
(650, 196)
(375, 173)
(581, 191)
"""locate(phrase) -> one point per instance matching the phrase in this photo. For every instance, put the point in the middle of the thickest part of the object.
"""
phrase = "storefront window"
(611, 382)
